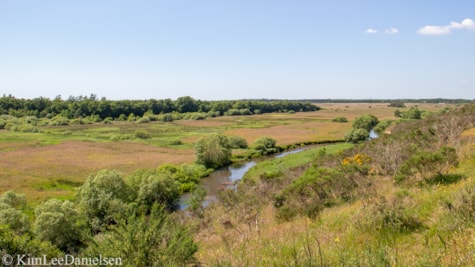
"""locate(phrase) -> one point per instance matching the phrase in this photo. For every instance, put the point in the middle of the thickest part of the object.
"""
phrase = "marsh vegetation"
(95, 185)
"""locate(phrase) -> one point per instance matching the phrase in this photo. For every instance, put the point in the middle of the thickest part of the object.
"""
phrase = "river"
(227, 177)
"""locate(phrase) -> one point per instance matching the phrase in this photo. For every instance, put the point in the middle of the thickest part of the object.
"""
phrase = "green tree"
(61, 224)
(15, 244)
(11, 206)
(366, 122)
(154, 186)
(186, 104)
(103, 198)
(14, 219)
(213, 151)
(13, 199)
(357, 135)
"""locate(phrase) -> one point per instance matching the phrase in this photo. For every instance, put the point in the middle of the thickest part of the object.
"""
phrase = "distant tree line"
(84, 106)
(429, 100)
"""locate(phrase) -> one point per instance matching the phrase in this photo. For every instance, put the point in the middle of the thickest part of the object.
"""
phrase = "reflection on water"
(219, 180)
(373, 134)
(283, 154)
(226, 177)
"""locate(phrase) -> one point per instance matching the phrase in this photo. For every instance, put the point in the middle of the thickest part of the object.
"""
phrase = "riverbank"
(264, 166)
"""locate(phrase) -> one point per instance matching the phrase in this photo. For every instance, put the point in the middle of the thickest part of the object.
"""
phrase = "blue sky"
(238, 49)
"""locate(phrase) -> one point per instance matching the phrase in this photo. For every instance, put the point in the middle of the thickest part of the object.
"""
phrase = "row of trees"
(79, 107)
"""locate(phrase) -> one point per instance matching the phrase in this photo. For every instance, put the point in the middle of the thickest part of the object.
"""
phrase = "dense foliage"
(213, 151)
(83, 106)
(113, 216)
(361, 127)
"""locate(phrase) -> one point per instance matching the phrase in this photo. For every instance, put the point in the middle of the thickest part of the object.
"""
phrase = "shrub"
(265, 145)
(107, 120)
(13, 199)
(58, 121)
(233, 112)
(213, 151)
(366, 122)
(167, 117)
(430, 165)
(245, 111)
(396, 215)
(357, 135)
(142, 134)
(61, 224)
(382, 125)
(464, 205)
(175, 142)
(154, 186)
(397, 104)
(340, 119)
(143, 120)
(103, 198)
(147, 240)
(27, 128)
(13, 218)
(237, 142)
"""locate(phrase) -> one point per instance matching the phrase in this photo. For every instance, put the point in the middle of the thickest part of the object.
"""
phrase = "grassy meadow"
(52, 162)
(390, 223)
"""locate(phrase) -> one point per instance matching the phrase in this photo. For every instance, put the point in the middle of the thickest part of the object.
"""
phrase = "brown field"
(33, 163)
(30, 169)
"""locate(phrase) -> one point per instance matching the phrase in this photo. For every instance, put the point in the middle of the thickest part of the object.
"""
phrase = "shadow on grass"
(445, 179)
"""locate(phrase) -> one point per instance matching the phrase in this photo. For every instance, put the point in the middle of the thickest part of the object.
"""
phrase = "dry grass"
(296, 133)
(27, 160)
(75, 161)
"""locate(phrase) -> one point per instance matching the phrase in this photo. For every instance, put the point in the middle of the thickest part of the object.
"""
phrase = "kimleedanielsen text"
(66, 260)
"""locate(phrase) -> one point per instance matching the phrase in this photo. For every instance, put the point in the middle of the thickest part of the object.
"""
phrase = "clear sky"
(233, 49)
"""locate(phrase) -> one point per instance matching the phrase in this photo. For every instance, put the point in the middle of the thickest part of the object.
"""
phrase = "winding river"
(227, 176)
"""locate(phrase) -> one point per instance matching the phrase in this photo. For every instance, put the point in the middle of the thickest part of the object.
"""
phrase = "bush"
(237, 142)
(382, 125)
(13, 218)
(397, 104)
(340, 119)
(154, 186)
(103, 198)
(366, 122)
(464, 205)
(213, 151)
(142, 134)
(232, 112)
(175, 142)
(13, 199)
(265, 145)
(357, 135)
(143, 120)
(147, 240)
(430, 165)
(27, 128)
(107, 120)
(61, 224)
(396, 215)
(58, 121)
(167, 117)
